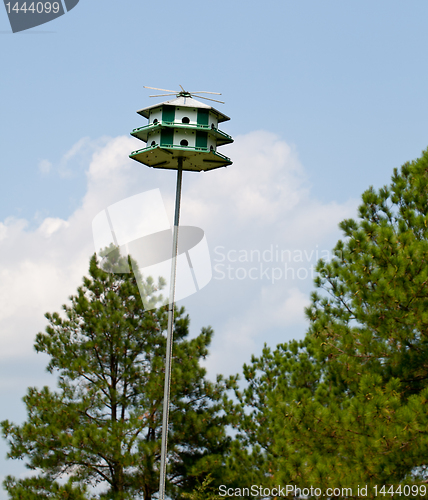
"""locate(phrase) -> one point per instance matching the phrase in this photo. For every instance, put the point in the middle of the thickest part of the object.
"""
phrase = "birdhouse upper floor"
(184, 120)
(201, 117)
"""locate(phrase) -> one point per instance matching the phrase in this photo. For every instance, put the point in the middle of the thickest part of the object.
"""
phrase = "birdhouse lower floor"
(165, 137)
(194, 158)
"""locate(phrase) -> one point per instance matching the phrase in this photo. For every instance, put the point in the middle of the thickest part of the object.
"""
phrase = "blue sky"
(325, 99)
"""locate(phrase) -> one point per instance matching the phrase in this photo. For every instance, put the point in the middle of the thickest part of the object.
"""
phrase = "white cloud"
(51, 225)
(265, 179)
(45, 166)
(76, 158)
(245, 333)
(263, 200)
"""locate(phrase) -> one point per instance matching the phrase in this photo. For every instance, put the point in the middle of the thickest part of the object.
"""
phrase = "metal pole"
(168, 360)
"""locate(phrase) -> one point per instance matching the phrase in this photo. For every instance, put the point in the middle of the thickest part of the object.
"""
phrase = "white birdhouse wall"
(190, 113)
(154, 137)
(213, 120)
(184, 135)
(212, 143)
(156, 114)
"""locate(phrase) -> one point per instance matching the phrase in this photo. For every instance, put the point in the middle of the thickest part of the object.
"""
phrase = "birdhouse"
(182, 128)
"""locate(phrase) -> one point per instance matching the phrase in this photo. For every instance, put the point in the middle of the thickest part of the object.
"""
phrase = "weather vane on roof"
(184, 93)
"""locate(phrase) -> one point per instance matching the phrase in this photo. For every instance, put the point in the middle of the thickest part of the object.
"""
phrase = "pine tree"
(348, 405)
(102, 425)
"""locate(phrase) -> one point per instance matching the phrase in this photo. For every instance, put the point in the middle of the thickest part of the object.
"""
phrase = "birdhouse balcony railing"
(184, 148)
(143, 132)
